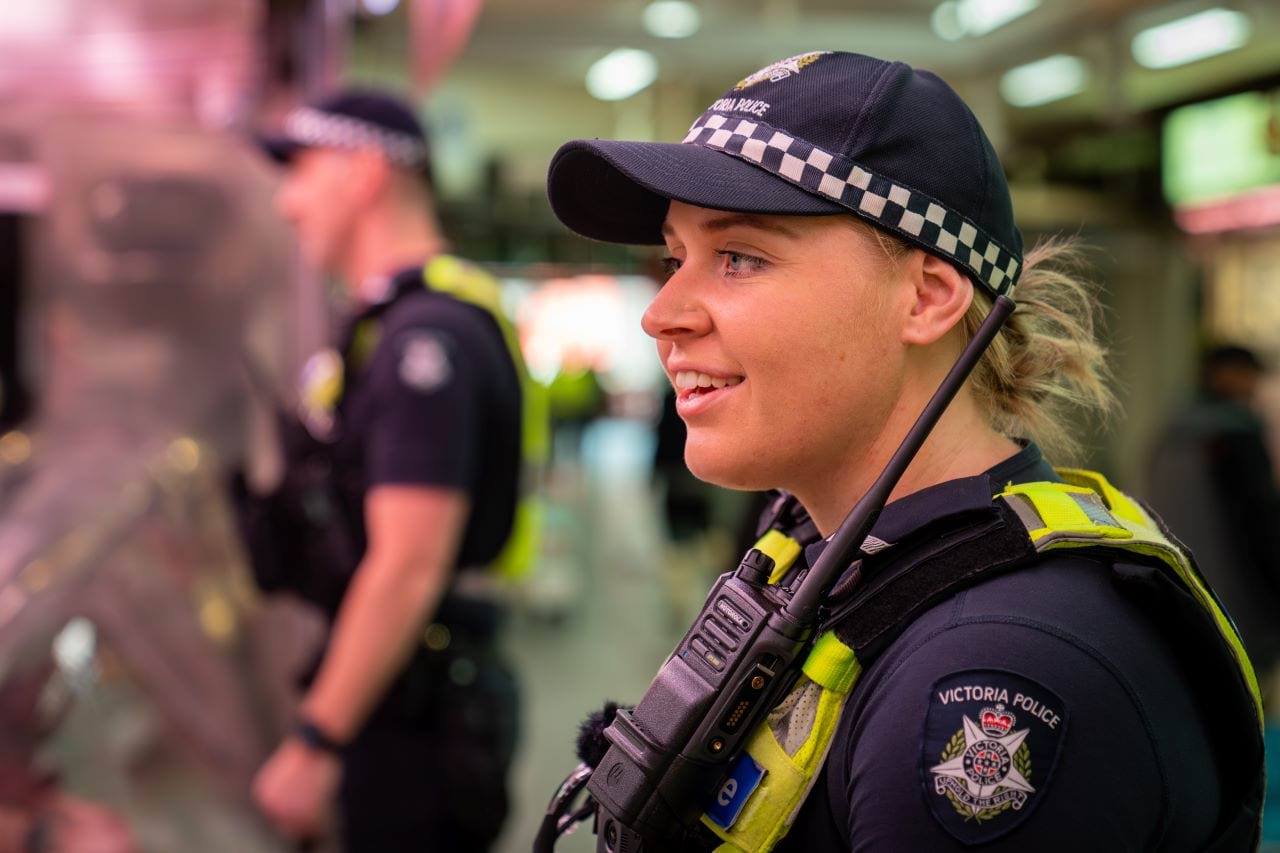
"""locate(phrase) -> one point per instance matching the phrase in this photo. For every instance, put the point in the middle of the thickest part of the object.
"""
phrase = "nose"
(677, 313)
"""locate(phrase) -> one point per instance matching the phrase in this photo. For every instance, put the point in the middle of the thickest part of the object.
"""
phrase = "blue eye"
(738, 263)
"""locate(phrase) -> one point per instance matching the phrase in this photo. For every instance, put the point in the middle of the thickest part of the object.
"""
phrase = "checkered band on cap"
(916, 217)
(312, 127)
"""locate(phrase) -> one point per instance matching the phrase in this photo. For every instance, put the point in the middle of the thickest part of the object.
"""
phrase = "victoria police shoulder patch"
(991, 741)
(425, 362)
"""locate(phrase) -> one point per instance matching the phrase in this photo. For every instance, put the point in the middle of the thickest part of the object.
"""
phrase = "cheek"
(329, 212)
(822, 371)
(813, 348)
(750, 444)
(853, 376)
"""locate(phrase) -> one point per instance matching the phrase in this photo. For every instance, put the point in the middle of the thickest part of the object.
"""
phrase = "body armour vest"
(765, 788)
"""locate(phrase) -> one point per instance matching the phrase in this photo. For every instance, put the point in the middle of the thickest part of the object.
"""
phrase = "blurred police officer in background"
(400, 492)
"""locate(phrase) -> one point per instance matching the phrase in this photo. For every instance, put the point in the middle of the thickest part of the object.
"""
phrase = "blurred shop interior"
(154, 314)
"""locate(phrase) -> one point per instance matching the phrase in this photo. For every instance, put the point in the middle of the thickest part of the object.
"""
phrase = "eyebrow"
(739, 220)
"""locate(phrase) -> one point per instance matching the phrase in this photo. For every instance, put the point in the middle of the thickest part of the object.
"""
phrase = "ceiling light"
(672, 19)
(379, 7)
(1044, 81)
(621, 74)
(1187, 39)
(956, 19)
(946, 21)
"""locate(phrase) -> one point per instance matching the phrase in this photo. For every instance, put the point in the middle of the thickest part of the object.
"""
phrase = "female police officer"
(837, 227)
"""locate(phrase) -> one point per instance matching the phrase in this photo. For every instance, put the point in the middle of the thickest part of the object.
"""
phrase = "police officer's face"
(778, 334)
(319, 198)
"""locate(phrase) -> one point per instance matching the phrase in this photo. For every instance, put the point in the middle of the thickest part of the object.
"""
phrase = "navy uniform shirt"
(436, 404)
(1046, 681)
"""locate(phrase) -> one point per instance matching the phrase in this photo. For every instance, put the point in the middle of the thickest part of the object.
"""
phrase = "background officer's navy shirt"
(437, 404)
(1116, 752)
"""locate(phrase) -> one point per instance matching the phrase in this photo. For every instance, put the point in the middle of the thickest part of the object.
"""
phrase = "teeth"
(689, 379)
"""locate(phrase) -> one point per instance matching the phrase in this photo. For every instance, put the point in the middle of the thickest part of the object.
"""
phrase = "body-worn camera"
(669, 756)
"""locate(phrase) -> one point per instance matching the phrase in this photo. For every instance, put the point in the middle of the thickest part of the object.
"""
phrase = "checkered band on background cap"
(916, 217)
(316, 128)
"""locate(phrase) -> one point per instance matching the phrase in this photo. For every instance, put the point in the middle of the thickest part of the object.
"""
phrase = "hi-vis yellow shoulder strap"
(1087, 511)
(770, 781)
(468, 283)
(783, 756)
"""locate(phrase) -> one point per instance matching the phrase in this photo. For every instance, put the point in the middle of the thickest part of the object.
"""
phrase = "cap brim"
(619, 191)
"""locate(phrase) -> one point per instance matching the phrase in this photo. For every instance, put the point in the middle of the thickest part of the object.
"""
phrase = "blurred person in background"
(1213, 481)
(837, 228)
(575, 399)
(399, 495)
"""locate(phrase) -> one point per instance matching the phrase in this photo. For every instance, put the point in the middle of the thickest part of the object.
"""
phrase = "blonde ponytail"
(1046, 364)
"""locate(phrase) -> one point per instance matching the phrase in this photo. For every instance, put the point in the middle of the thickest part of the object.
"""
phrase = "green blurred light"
(1221, 148)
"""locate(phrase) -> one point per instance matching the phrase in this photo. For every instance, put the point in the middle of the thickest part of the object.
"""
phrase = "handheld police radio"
(669, 755)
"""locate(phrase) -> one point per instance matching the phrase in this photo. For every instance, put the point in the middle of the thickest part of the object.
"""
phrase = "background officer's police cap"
(352, 120)
(818, 133)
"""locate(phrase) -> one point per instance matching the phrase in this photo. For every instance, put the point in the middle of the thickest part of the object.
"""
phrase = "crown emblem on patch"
(996, 721)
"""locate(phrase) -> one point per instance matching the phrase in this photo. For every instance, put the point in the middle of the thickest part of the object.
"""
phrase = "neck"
(961, 445)
(386, 240)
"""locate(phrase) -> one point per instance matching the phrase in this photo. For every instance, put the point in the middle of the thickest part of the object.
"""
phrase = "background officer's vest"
(1085, 513)
(467, 283)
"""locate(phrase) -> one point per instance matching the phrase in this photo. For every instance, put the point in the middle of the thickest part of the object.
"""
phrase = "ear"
(942, 294)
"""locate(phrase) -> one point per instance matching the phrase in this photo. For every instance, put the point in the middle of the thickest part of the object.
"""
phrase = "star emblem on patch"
(984, 767)
(991, 742)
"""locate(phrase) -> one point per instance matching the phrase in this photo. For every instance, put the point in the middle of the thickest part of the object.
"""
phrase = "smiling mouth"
(691, 383)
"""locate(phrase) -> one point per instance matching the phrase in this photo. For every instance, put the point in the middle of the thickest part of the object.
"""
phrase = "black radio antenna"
(846, 542)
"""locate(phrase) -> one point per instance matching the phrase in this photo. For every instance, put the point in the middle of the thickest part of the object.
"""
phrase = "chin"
(726, 464)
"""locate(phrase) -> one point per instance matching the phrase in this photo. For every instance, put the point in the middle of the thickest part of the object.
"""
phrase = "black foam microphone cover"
(592, 744)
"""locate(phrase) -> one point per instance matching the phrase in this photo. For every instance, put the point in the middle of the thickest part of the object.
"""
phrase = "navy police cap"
(818, 133)
(354, 119)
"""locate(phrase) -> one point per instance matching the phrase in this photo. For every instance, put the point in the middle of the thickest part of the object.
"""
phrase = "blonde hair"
(1047, 364)
(1046, 369)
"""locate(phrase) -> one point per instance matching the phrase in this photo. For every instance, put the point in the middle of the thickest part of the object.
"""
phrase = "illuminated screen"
(1218, 149)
